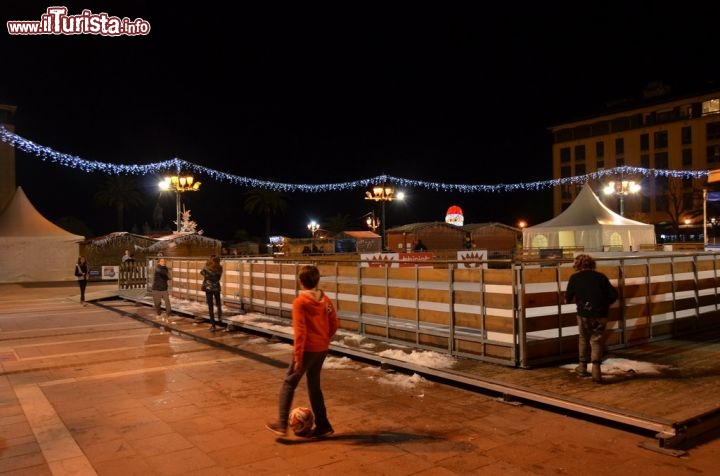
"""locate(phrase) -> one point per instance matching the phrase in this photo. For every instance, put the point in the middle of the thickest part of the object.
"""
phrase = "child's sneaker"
(321, 432)
(276, 428)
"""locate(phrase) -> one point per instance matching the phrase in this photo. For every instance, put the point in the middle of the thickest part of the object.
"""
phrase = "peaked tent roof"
(587, 210)
(589, 224)
(21, 219)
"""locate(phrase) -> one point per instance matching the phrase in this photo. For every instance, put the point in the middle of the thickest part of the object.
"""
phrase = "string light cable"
(66, 160)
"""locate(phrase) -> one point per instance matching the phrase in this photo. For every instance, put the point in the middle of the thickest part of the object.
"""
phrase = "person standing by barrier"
(127, 257)
(315, 322)
(212, 273)
(593, 294)
(160, 291)
(81, 273)
(419, 246)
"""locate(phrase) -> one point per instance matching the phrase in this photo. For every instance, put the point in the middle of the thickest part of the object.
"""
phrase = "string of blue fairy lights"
(181, 166)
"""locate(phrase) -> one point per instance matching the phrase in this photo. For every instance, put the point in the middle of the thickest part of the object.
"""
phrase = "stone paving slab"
(96, 392)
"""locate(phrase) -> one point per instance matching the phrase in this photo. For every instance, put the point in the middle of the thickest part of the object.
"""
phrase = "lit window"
(539, 241)
(711, 107)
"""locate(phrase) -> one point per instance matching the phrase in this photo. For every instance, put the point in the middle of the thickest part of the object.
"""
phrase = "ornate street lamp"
(372, 221)
(383, 194)
(313, 227)
(621, 189)
(179, 184)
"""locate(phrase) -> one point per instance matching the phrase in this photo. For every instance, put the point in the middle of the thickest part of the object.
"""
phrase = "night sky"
(310, 94)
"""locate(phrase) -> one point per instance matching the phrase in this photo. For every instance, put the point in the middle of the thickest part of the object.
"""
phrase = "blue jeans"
(313, 362)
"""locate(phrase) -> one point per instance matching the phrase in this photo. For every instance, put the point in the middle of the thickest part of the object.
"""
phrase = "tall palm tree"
(339, 223)
(265, 203)
(119, 192)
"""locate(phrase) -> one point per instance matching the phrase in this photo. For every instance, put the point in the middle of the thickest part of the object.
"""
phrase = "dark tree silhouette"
(265, 203)
(120, 192)
(339, 223)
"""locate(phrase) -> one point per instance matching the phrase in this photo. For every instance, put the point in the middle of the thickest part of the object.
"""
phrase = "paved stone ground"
(84, 391)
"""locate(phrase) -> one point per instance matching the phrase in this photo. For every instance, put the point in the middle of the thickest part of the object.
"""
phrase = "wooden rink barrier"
(509, 313)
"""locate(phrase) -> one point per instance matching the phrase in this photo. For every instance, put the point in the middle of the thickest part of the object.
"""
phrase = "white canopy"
(588, 224)
(32, 248)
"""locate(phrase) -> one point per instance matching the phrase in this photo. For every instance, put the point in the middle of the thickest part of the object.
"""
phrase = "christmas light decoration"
(176, 165)
(454, 216)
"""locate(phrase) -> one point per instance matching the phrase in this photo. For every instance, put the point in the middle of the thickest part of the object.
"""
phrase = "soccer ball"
(301, 420)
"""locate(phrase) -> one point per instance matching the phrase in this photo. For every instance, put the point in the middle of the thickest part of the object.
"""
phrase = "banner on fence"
(396, 260)
(472, 259)
(110, 272)
(379, 260)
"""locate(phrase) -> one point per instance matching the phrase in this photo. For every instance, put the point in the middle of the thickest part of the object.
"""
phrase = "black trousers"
(210, 297)
(83, 284)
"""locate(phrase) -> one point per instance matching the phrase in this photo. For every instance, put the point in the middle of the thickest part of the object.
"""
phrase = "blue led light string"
(178, 165)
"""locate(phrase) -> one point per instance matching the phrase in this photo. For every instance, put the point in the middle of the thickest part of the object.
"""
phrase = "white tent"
(33, 249)
(588, 224)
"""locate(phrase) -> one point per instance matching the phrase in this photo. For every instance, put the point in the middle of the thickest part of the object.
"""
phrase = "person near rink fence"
(212, 273)
(81, 273)
(160, 290)
(419, 246)
(593, 294)
(127, 256)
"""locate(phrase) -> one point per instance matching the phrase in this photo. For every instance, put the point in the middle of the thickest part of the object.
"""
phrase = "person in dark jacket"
(81, 273)
(593, 294)
(419, 246)
(160, 291)
(212, 273)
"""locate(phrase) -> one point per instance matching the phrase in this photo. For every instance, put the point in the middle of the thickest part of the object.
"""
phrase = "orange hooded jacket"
(314, 323)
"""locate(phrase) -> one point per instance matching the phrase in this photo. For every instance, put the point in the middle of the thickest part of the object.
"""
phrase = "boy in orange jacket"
(314, 324)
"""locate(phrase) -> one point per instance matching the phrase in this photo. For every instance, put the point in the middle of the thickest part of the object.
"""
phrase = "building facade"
(662, 131)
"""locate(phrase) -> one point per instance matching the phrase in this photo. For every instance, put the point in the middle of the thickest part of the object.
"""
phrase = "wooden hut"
(107, 250)
(185, 244)
(498, 239)
(244, 248)
(437, 235)
(358, 242)
(307, 246)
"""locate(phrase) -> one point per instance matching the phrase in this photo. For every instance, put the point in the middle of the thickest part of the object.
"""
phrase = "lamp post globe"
(372, 221)
(622, 188)
(313, 227)
(179, 184)
(383, 194)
